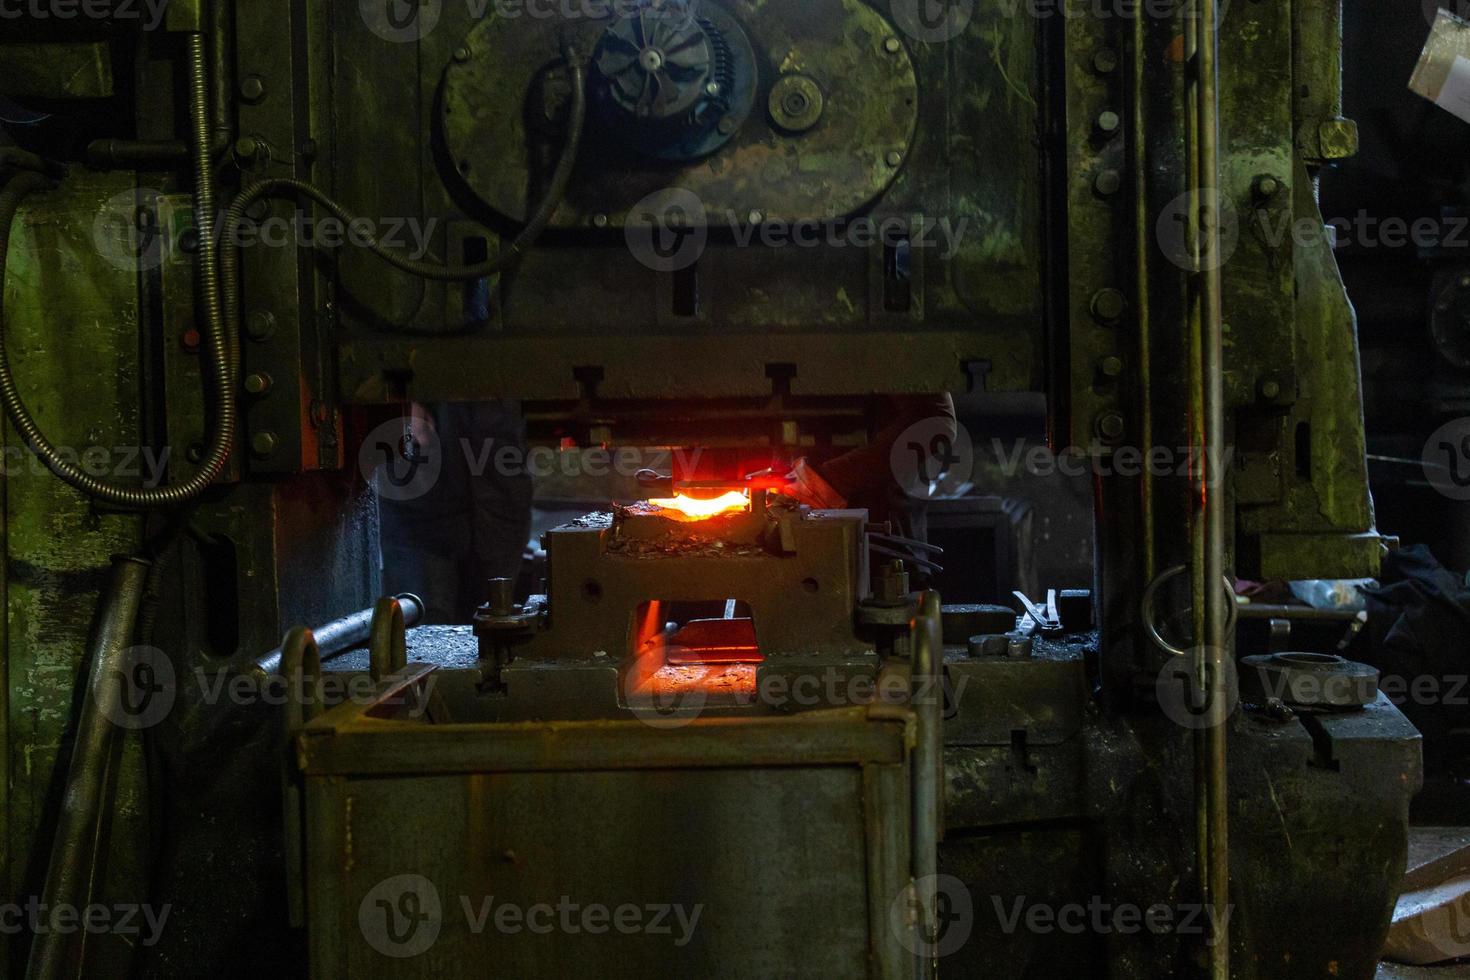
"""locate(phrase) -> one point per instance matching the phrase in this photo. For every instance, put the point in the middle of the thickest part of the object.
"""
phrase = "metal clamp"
(387, 642)
(300, 660)
(1150, 594)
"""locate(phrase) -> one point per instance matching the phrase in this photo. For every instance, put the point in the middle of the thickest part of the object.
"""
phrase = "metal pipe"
(82, 824)
(219, 366)
(1214, 638)
(341, 635)
(115, 154)
(928, 763)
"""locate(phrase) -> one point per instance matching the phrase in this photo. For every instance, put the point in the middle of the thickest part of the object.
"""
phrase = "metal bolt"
(894, 158)
(1110, 426)
(263, 444)
(1020, 647)
(1110, 366)
(252, 89)
(1105, 61)
(258, 383)
(1108, 305)
(1108, 182)
(599, 221)
(260, 325)
(1265, 187)
(1270, 389)
(1338, 138)
(461, 54)
(195, 452)
(755, 217)
(727, 125)
(892, 45)
(712, 89)
(989, 645)
(1108, 122)
(247, 147)
(501, 597)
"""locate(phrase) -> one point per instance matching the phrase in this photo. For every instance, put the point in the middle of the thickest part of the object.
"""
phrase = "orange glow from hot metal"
(684, 508)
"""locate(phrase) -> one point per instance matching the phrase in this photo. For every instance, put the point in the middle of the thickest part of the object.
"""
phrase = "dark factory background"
(760, 488)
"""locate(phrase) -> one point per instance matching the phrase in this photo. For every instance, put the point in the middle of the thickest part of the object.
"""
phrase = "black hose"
(218, 363)
(14, 156)
(560, 178)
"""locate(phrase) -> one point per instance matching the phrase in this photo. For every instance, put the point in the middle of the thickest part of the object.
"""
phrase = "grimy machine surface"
(567, 745)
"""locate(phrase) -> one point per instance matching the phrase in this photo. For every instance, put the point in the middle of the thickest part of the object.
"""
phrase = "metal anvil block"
(801, 572)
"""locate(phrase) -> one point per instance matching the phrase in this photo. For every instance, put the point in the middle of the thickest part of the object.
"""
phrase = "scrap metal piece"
(1309, 680)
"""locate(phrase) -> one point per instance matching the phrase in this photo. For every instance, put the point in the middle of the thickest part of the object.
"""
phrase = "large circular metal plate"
(506, 90)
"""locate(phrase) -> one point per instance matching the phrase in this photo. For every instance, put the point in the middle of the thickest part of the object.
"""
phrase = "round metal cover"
(505, 93)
